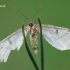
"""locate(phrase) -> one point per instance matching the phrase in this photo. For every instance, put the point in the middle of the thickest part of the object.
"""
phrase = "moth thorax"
(30, 24)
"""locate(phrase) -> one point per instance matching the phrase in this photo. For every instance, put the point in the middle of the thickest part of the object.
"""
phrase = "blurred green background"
(53, 12)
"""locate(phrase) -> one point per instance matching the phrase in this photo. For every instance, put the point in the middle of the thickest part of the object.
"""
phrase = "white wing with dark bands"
(58, 37)
(12, 42)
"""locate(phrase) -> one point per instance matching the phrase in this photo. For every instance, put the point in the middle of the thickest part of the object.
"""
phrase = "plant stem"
(41, 42)
(28, 51)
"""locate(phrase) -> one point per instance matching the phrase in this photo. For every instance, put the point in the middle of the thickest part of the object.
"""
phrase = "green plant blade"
(41, 42)
(28, 51)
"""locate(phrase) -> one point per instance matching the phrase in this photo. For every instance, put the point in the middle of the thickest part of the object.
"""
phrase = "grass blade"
(27, 48)
(41, 42)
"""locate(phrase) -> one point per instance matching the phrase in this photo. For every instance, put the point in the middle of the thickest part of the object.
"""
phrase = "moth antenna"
(37, 10)
(21, 13)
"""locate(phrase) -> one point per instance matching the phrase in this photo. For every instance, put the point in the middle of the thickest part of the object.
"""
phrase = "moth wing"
(12, 42)
(58, 37)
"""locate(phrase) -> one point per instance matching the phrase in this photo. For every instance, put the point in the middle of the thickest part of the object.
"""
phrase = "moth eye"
(30, 24)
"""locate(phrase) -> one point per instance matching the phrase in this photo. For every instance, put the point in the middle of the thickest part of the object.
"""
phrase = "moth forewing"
(12, 42)
(58, 37)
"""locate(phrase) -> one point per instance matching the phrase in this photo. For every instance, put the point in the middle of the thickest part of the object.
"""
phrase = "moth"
(58, 37)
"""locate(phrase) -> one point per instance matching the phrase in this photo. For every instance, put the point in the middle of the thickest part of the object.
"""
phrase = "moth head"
(30, 24)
